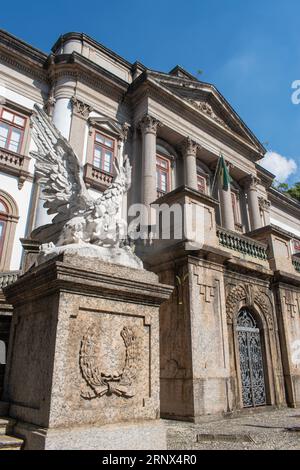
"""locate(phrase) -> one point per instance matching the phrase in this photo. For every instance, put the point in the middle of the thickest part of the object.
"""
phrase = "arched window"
(8, 220)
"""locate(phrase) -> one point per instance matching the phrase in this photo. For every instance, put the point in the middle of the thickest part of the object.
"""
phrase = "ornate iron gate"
(251, 361)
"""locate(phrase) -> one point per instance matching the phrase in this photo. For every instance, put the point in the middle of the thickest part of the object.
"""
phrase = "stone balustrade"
(96, 178)
(296, 263)
(15, 164)
(242, 244)
(7, 278)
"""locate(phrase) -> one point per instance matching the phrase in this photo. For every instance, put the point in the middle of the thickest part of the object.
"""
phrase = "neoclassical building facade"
(230, 332)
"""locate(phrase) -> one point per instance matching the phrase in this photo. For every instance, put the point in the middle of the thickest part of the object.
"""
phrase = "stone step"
(6, 425)
(10, 443)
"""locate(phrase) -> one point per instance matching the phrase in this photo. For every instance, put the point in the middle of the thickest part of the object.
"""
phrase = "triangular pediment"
(109, 125)
(208, 101)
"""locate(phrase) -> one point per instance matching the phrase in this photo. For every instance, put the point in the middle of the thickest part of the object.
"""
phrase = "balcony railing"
(15, 164)
(242, 244)
(8, 278)
(96, 178)
(296, 263)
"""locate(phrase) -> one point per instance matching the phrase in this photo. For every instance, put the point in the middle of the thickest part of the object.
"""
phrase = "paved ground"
(264, 430)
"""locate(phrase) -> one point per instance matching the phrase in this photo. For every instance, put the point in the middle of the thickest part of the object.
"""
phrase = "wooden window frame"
(12, 126)
(3, 219)
(296, 245)
(204, 178)
(163, 169)
(105, 147)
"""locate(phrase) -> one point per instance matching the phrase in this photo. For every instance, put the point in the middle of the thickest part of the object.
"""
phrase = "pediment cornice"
(206, 99)
(113, 127)
(145, 86)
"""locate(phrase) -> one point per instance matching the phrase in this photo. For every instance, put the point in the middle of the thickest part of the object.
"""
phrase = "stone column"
(80, 114)
(61, 104)
(253, 204)
(190, 165)
(148, 126)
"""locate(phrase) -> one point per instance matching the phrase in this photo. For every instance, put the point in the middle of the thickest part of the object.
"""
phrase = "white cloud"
(282, 167)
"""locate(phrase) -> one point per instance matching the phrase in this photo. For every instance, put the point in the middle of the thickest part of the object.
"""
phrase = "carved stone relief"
(251, 296)
(292, 303)
(120, 383)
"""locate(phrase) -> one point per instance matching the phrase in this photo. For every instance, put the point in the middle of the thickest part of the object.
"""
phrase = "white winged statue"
(81, 224)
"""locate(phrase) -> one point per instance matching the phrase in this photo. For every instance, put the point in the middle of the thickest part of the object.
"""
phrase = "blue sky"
(249, 50)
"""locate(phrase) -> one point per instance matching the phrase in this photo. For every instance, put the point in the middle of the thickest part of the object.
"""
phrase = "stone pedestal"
(83, 361)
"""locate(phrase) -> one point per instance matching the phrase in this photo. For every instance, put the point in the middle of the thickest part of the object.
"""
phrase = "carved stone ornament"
(190, 147)
(264, 204)
(251, 296)
(206, 108)
(50, 103)
(180, 281)
(251, 182)
(120, 383)
(80, 108)
(149, 124)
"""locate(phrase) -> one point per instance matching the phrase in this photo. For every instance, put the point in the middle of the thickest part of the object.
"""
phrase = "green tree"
(294, 191)
(291, 191)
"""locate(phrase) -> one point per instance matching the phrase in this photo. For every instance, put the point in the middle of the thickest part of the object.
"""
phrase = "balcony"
(242, 244)
(16, 165)
(96, 178)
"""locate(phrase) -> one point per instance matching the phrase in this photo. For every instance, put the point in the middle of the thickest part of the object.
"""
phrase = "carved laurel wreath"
(119, 383)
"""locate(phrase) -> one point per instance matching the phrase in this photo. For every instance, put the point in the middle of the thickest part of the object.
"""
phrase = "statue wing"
(120, 184)
(61, 173)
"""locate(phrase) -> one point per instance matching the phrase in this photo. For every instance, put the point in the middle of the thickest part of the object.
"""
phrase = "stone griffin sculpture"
(81, 224)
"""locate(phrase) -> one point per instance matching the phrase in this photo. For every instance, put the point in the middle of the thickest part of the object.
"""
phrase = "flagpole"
(216, 172)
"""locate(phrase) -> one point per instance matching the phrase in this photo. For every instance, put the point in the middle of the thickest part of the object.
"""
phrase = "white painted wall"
(11, 95)
(285, 226)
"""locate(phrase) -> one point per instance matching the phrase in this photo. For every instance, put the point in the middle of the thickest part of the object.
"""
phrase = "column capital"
(190, 147)
(264, 204)
(148, 124)
(80, 108)
(250, 182)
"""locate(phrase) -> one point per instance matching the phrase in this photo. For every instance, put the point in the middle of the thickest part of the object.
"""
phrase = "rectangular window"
(162, 175)
(103, 152)
(12, 127)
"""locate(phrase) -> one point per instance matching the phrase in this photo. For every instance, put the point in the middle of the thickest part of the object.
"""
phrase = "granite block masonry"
(83, 359)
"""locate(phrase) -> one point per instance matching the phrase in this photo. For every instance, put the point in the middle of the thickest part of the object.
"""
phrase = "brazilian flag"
(222, 174)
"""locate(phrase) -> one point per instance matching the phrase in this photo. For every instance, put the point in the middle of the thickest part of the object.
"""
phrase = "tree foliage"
(291, 191)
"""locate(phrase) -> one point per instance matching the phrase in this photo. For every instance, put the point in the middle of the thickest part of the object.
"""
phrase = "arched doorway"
(251, 360)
